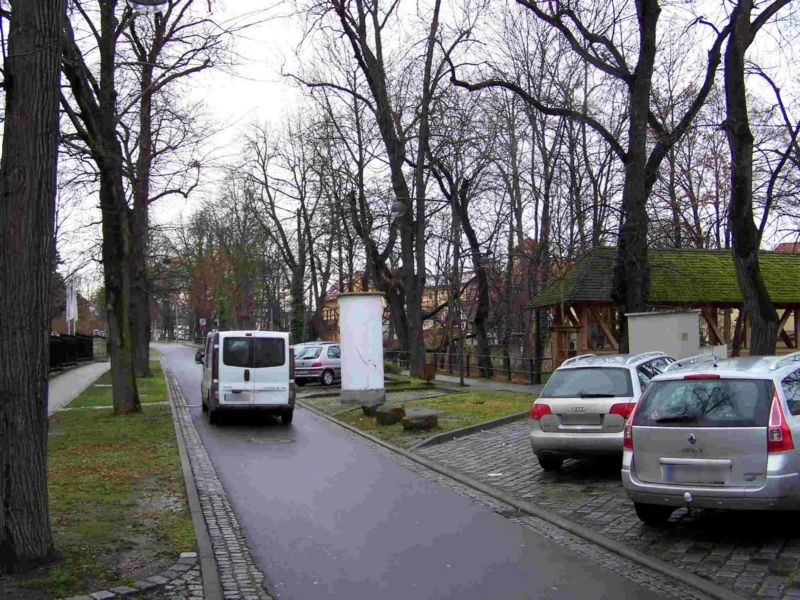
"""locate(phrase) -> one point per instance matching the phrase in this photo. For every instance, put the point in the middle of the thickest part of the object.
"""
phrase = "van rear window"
(269, 352)
(705, 403)
(253, 352)
(237, 352)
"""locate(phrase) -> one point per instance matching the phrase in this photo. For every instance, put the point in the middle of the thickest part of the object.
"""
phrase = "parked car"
(247, 370)
(716, 434)
(320, 362)
(581, 412)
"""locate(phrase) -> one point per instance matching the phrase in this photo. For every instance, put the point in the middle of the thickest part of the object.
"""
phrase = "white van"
(247, 370)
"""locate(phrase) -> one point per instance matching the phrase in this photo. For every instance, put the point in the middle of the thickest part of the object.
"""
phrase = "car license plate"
(710, 475)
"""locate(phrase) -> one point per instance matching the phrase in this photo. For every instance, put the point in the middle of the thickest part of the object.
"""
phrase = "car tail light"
(627, 432)
(539, 410)
(623, 409)
(317, 364)
(701, 376)
(779, 436)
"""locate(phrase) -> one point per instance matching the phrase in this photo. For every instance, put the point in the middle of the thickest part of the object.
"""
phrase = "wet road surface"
(326, 516)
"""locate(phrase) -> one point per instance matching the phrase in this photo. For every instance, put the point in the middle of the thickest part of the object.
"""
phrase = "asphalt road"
(326, 516)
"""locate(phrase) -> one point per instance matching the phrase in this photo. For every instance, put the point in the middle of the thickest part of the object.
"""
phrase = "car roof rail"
(785, 360)
(697, 359)
(574, 359)
(641, 355)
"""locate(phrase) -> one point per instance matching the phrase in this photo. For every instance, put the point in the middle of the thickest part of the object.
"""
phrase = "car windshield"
(589, 382)
(311, 352)
(705, 403)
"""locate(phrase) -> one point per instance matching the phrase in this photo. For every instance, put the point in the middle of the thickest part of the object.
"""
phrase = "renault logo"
(692, 439)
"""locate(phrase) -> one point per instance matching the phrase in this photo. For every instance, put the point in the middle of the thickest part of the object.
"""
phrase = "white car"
(247, 370)
(582, 410)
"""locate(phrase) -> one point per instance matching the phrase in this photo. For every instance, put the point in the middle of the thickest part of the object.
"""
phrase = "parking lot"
(753, 554)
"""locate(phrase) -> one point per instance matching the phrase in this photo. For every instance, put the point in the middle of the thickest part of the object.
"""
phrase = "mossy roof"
(677, 277)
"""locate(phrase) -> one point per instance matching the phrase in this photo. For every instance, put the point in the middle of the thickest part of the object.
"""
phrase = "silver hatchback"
(582, 410)
(320, 362)
(716, 434)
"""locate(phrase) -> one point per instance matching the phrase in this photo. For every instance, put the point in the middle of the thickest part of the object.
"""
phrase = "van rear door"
(271, 369)
(236, 370)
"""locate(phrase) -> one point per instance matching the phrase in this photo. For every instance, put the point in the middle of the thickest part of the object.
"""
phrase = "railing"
(67, 350)
(510, 368)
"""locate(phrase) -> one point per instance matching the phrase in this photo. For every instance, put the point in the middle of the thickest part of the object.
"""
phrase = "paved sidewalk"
(65, 387)
(752, 554)
(489, 384)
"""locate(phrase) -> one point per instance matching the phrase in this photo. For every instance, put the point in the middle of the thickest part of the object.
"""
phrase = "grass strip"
(455, 411)
(117, 498)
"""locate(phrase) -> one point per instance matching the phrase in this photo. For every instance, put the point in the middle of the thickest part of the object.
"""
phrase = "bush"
(390, 367)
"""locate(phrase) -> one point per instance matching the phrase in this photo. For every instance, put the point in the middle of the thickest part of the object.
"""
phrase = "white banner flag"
(71, 300)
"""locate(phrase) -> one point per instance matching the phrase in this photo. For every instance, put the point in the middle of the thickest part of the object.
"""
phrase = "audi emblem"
(579, 409)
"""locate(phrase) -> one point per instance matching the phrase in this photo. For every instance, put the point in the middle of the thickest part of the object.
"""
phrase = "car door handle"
(247, 374)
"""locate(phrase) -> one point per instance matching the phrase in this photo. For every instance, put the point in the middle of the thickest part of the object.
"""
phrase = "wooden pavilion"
(584, 318)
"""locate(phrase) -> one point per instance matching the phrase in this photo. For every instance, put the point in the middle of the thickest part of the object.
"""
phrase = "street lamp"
(148, 6)
(398, 209)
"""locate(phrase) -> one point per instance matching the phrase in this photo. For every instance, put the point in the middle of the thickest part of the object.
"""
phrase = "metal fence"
(68, 350)
(510, 368)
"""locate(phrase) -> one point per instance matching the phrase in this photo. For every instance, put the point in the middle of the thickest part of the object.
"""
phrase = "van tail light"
(215, 363)
(779, 436)
(291, 363)
(316, 364)
(627, 432)
(623, 409)
(539, 410)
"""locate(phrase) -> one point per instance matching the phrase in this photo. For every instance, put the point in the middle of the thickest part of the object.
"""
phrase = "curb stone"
(446, 436)
(552, 521)
(238, 574)
(186, 560)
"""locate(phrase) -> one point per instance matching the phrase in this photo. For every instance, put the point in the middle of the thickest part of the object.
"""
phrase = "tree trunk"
(758, 305)
(632, 271)
(27, 197)
(139, 224)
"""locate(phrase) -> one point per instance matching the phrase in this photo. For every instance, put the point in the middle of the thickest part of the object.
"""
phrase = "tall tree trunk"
(139, 224)
(632, 271)
(758, 305)
(27, 197)
(97, 127)
(482, 306)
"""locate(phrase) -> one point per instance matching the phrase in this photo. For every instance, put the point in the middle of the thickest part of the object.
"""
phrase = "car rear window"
(705, 403)
(253, 352)
(312, 352)
(589, 382)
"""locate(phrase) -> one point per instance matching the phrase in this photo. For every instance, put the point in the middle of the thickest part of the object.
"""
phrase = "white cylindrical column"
(361, 341)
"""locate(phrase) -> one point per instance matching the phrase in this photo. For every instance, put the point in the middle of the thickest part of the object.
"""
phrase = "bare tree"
(27, 198)
(92, 112)
(746, 236)
(595, 35)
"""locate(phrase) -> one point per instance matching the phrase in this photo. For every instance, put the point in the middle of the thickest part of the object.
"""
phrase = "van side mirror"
(198, 358)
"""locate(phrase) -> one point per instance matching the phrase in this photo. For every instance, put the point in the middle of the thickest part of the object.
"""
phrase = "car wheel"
(287, 416)
(300, 382)
(203, 404)
(213, 416)
(653, 514)
(550, 463)
(327, 377)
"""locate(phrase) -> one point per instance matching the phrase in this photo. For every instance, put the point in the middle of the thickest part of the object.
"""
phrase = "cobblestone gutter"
(238, 574)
